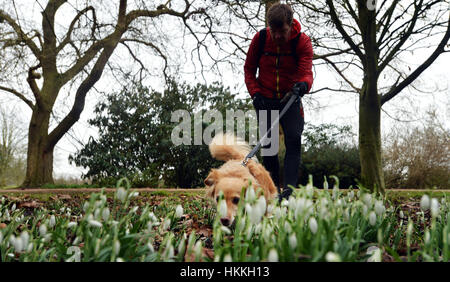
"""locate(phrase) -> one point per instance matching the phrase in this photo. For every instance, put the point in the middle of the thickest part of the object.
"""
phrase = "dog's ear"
(211, 178)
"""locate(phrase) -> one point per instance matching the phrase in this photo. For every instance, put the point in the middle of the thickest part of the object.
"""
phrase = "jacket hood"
(296, 29)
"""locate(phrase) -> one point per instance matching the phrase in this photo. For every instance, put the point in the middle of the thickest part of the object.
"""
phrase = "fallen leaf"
(32, 204)
(2, 225)
(64, 197)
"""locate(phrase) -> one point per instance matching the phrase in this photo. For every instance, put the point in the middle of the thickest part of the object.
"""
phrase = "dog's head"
(231, 187)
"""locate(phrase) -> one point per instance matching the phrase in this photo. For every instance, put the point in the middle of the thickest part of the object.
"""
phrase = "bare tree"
(52, 55)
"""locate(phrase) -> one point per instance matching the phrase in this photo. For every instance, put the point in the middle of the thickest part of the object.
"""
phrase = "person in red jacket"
(283, 55)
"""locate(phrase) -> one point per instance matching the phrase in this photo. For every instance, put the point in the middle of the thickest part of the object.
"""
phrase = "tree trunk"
(39, 157)
(372, 176)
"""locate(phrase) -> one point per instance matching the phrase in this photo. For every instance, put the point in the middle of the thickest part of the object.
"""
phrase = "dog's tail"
(227, 147)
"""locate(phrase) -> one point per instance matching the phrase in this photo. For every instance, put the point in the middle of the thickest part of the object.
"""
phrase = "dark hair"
(279, 14)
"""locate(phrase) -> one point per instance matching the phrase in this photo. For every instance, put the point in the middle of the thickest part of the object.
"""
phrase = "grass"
(147, 228)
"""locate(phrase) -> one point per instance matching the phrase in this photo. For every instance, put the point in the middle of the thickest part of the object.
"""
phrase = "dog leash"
(292, 99)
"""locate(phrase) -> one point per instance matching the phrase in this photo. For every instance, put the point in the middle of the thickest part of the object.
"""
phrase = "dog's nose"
(225, 221)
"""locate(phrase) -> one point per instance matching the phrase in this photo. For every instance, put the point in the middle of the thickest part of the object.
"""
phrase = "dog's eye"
(236, 200)
(217, 199)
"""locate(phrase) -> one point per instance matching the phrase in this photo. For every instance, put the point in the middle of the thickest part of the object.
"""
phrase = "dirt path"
(111, 190)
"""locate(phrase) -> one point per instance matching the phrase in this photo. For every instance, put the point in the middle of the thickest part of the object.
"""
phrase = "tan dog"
(232, 176)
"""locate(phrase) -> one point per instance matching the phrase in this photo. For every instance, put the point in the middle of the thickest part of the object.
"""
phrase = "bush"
(418, 157)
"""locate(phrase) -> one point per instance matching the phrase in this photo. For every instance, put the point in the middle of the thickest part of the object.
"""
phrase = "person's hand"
(300, 89)
(258, 101)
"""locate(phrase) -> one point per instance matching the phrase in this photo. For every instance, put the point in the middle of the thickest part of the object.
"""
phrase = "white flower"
(367, 199)
(293, 241)
(121, 194)
(313, 225)
(13, 208)
(262, 204)
(119, 260)
(150, 247)
(198, 248)
(434, 207)
(425, 202)
(134, 194)
(250, 195)
(273, 256)
(17, 243)
(351, 195)
(166, 224)
(30, 247)
(372, 218)
(332, 257)
(134, 209)
(52, 221)
(401, 214)
(71, 224)
(225, 229)
(284, 203)
(427, 237)
(227, 258)
(287, 227)
(222, 209)
(255, 214)
(85, 206)
(105, 214)
(116, 247)
(375, 253)
(179, 211)
(325, 184)
(24, 237)
(95, 223)
(379, 208)
(42, 229)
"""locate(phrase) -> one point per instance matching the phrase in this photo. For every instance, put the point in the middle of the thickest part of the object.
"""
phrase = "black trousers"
(292, 124)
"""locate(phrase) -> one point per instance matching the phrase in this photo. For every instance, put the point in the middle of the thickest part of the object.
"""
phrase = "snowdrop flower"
(367, 199)
(293, 241)
(116, 247)
(427, 237)
(250, 195)
(121, 194)
(262, 204)
(134, 194)
(270, 208)
(372, 218)
(24, 237)
(85, 206)
(425, 202)
(227, 258)
(97, 213)
(13, 208)
(105, 214)
(225, 230)
(332, 257)
(71, 224)
(325, 183)
(351, 195)
(134, 209)
(30, 248)
(222, 209)
(364, 210)
(166, 224)
(313, 225)
(284, 203)
(52, 221)
(150, 247)
(309, 189)
(179, 211)
(17, 243)
(198, 248)
(255, 215)
(287, 227)
(434, 207)
(401, 214)
(95, 223)
(379, 208)
(273, 256)
(119, 260)
(375, 253)
(42, 229)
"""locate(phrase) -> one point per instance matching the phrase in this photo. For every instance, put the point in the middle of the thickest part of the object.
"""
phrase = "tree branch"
(19, 95)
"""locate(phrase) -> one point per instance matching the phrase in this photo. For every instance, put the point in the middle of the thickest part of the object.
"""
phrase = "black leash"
(292, 99)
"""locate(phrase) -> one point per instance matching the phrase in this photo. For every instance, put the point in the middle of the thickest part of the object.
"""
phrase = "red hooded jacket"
(274, 81)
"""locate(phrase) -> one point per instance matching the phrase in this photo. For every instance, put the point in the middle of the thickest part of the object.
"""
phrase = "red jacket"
(278, 81)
